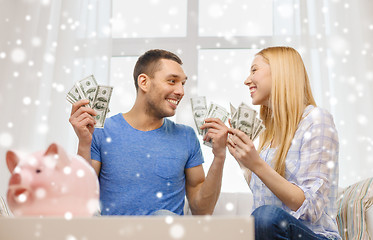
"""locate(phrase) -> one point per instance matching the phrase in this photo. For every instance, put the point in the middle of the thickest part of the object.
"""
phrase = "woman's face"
(259, 81)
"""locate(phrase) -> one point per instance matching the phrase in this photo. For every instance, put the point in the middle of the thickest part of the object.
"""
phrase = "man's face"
(166, 89)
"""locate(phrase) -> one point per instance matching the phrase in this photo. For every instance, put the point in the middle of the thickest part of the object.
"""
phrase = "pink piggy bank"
(51, 183)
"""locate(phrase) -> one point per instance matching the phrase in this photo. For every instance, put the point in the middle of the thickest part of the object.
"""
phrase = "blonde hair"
(290, 94)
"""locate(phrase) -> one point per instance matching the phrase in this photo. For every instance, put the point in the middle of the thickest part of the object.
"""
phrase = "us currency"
(260, 129)
(98, 96)
(199, 109)
(100, 104)
(233, 109)
(215, 111)
(257, 122)
(73, 95)
(234, 115)
(245, 119)
(87, 88)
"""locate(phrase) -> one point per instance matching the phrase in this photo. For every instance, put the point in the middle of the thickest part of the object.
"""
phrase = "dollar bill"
(98, 96)
(87, 88)
(199, 109)
(234, 115)
(101, 103)
(233, 109)
(245, 119)
(73, 95)
(257, 122)
(260, 129)
(215, 111)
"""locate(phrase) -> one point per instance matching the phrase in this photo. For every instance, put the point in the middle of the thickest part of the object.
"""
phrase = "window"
(149, 18)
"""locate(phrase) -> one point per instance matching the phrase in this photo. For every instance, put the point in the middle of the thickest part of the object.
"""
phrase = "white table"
(128, 227)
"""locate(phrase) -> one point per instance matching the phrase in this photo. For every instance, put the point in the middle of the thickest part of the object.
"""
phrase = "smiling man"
(146, 163)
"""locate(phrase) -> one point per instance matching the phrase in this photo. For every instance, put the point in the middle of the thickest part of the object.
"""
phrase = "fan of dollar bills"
(244, 118)
(200, 113)
(98, 96)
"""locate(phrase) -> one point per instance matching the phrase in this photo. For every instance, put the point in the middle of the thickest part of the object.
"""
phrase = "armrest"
(4, 211)
(369, 220)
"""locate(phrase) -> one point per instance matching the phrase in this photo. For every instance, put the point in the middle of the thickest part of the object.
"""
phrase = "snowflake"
(22, 198)
(177, 231)
(362, 119)
(42, 128)
(330, 164)
(45, 2)
(49, 58)
(283, 224)
(93, 205)
(40, 193)
(80, 173)
(333, 101)
(169, 219)
(26, 101)
(67, 170)
(229, 206)
(71, 237)
(307, 135)
(18, 55)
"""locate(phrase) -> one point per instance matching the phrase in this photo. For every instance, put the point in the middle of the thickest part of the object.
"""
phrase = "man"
(144, 161)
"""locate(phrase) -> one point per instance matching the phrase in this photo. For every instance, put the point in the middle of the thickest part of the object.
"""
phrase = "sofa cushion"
(353, 203)
(230, 204)
(234, 204)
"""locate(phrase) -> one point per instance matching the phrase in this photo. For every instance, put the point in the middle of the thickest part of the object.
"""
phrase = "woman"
(294, 179)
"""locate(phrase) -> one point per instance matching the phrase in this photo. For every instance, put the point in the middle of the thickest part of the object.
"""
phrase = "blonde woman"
(294, 173)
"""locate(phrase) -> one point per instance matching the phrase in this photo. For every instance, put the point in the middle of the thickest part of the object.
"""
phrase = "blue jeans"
(272, 223)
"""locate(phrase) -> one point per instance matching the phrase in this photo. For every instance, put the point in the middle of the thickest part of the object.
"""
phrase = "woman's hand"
(243, 150)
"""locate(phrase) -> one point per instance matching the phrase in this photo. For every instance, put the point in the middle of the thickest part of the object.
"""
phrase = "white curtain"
(45, 47)
(335, 39)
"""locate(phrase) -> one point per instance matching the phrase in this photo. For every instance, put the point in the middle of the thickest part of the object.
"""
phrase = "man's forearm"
(210, 189)
(85, 152)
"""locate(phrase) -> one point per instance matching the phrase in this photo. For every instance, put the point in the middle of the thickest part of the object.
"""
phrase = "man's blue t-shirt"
(142, 172)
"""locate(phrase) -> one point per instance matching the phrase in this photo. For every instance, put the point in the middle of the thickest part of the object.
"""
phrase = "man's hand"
(83, 122)
(218, 133)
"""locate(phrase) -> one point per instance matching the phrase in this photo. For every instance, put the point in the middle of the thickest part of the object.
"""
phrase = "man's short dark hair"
(149, 63)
